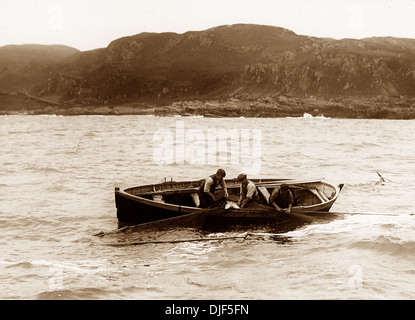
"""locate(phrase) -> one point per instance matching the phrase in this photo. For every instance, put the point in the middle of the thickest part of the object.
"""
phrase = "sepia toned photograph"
(207, 154)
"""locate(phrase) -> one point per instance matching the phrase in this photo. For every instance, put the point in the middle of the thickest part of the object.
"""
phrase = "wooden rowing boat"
(170, 200)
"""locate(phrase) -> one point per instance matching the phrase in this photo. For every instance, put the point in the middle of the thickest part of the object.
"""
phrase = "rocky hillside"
(26, 68)
(245, 62)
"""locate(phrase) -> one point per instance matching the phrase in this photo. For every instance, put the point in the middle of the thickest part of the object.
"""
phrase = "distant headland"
(228, 71)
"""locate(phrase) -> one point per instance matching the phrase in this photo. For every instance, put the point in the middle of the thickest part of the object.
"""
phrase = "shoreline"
(281, 107)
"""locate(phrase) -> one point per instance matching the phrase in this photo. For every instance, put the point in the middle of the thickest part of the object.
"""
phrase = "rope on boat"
(311, 213)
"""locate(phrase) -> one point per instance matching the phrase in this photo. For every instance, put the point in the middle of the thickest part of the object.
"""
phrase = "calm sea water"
(57, 193)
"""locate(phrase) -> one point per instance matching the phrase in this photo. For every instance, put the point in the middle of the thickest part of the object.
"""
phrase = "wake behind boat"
(170, 200)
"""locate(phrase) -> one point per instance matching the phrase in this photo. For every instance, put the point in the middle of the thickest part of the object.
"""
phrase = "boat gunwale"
(154, 203)
(168, 185)
(194, 185)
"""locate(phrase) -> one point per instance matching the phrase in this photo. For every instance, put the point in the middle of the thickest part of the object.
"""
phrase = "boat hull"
(138, 205)
(136, 210)
(244, 219)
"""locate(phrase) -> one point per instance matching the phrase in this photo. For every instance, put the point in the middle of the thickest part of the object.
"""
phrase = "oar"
(279, 182)
(271, 183)
(243, 236)
(170, 191)
(136, 243)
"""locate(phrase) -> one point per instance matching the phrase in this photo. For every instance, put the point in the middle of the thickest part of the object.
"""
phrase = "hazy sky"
(91, 24)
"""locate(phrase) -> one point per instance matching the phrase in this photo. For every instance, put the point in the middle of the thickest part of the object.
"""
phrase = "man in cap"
(207, 189)
(248, 192)
(282, 198)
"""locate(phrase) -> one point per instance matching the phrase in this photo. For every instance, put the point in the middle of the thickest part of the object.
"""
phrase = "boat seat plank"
(196, 200)
(265, 193)
(317, 194)
(158, 198)
(322, 195)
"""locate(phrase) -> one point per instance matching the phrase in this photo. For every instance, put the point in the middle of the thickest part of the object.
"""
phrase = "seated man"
(207, 189)
(282, 199)
(248, 192)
